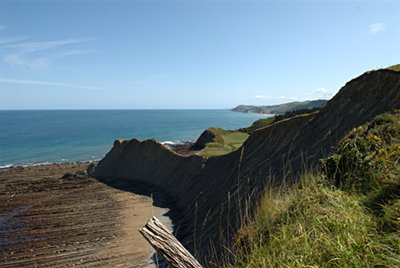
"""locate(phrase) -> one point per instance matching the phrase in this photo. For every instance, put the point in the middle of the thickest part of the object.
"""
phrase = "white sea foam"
(25, 165)
(172, 143)
(6, 166)
(169, 142)
(37, 164)
(94, 159)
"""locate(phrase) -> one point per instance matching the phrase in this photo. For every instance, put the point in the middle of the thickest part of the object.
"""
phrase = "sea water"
(37, 137)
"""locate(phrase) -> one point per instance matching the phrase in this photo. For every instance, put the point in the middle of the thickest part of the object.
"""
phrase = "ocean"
(59, 136)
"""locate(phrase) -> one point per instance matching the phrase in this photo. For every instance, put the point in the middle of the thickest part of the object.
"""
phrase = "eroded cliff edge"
(214, 194)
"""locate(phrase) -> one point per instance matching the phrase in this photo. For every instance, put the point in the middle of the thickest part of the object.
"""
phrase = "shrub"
(367, 157)
(352, 166)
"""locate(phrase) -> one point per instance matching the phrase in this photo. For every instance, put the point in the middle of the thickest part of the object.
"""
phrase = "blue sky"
(188, 54)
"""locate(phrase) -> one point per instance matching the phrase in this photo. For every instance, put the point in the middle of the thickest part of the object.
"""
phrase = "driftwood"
(167, 245)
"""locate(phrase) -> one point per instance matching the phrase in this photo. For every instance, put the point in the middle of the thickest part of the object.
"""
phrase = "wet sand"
(50, 221)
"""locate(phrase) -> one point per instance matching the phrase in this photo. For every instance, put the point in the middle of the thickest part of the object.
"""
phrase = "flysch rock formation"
(216, 195)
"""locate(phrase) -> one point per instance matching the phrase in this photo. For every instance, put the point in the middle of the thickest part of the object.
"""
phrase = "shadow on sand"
(160, 199)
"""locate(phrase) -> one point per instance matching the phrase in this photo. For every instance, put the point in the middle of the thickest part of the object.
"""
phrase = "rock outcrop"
(206, 137)
(215, 194)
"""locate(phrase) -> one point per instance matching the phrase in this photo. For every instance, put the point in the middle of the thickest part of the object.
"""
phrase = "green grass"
(368, 157)
(347, 215)
(260, 123)
(264, 122)
(225, 141)
(316, 225)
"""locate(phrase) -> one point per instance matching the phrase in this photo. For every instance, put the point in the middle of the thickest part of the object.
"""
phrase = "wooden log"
(174, 253)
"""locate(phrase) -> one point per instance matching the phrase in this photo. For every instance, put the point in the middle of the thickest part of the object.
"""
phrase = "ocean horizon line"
(123, 109)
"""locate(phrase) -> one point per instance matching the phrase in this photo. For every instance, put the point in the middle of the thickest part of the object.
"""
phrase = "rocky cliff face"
(206, 137)
(214, 194)
(150, 162)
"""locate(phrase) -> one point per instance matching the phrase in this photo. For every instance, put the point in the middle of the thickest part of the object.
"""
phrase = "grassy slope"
(347, 216)
(395, 67)
(225, 141)
(260, 123)
(264, 122)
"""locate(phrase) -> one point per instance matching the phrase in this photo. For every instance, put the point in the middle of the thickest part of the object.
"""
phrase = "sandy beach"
(50, 221)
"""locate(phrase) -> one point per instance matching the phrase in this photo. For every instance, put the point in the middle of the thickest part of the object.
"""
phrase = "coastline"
(37, 137)
(181, 147)
(12, 166)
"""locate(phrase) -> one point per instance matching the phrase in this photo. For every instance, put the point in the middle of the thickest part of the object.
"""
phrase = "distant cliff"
(281, 108)
(216, 195)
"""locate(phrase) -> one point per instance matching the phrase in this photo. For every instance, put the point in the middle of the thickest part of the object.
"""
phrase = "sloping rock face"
(206, 137)
(216, 195)
(152, 163)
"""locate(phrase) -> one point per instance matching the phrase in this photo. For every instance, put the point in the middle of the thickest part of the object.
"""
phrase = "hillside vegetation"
(394, 67)
(264, 122)
(280, 108)
(346, 215)
(218, 141)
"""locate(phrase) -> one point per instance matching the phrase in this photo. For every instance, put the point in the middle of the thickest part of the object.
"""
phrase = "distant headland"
(280, 108)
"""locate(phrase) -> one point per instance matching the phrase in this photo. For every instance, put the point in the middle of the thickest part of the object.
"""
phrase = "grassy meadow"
(225, 141)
